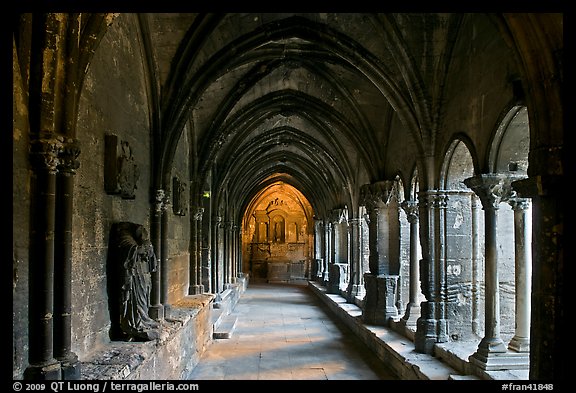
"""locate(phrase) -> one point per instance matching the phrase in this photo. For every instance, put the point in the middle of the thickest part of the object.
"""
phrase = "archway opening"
(278, 235)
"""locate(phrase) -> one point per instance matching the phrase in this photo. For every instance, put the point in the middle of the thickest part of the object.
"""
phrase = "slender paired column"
(341, 258)
(432, 326)
(163, 257)
(523, 261)
(156, 310)
(413, 307)
(355, 288)
(327, 252)
(476, 268)
(205, 248)
(492, 352)
(382, 281)
(195, 272)
(218, 256)
(63, 262)
(318, 270)
(44, 157)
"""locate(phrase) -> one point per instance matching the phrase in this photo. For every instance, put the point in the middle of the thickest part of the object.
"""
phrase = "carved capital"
(411, 209)
(438, 200)
(519, 203)
(378, 194)
(68, 158)
(197, 213)
(159, 199)
(354, 222)
(167, 201)
(45, 151)
(492, 189)
(339, 216)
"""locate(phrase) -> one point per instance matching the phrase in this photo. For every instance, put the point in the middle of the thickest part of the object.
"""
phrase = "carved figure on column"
(132, 259)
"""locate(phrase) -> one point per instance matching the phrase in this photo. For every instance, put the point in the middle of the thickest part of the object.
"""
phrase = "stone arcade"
(412, 165)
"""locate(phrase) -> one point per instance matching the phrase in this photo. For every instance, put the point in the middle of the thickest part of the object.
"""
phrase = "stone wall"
(113, 101)
(183, 340)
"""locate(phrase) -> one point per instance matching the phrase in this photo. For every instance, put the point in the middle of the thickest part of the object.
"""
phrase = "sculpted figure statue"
(134, 260)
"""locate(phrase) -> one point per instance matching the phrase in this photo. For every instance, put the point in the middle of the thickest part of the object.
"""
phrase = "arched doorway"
(277, 235)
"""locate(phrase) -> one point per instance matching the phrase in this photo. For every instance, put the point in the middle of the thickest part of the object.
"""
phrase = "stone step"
(226, 327)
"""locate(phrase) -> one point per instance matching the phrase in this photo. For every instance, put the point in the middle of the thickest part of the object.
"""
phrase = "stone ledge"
(183, 338)
(399, 353)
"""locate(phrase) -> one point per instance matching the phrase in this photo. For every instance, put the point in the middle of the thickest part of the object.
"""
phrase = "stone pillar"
(432, 326)
(205, 242)
(355, 289)
(68, 164)
(549, 328)
(340, 245)
(413, 307)
(156, 311)
(492, 352)
(476, 265)
(381, 282)
(166, 209)
(523, 261)
(195, 286)
(237, 250)
(44, 157)
(319, 243)
(216, 257)
(227, 255)
(327, 253)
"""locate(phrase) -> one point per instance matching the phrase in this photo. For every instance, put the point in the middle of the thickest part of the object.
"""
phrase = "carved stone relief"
(121, 173)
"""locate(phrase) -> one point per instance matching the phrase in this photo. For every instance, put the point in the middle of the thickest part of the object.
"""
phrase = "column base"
(356, 290)
(46, 372)
(493, 361)
(156, 312)
(429, 330)
(195, 289)
(411, 315)
(379, 305)
(70, 370)
(167, 310)
(519, 344)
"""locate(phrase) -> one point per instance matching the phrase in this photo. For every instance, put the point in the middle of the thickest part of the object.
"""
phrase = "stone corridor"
(284, 332)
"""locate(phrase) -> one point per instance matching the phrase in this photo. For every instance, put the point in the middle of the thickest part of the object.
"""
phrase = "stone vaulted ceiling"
(300, 98)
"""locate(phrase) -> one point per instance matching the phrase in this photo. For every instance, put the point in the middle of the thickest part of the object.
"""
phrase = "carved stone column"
(164, 257)
(327, 253)
(476, 262)
(492, 352)
(337, 269)
(432, 326)
(195, 272)
(44, 158)
(205, 243)
(547, 189)
(63, 262)
(523, 261)
(237, 236)
(354, 286)
(156, 310)
(318, 269)
(217, 243)
(413, 307)
(381, 282)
